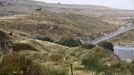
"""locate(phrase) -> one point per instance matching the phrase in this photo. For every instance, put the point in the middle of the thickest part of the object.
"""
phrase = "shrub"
(4, 36)
(88, 46)
(22, 46)
(70, 42)
(56, 57)
(51, 70)
(44, 38)
(16, 64)
(5, 42)
(131, 67)
(93, 63)
(118, 67)
(106, 45)
(94, 60)
(90, 63)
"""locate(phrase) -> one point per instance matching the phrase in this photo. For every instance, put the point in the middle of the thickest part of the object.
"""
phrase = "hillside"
(31, 34)
(57, 21)
(57, 25)
(62, 20)
(15, 6)
(90, 10)
(49, 56)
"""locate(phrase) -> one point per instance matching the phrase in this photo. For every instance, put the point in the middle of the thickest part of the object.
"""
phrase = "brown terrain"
(23, 20)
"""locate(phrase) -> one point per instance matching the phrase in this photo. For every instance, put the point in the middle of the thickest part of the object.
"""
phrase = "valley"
(38, 38)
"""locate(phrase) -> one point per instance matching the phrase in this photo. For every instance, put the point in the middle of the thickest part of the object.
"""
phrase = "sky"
(121, 4)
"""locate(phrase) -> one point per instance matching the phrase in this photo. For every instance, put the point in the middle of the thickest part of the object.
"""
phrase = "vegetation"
(38, 57)
(4, 36)
(70, 42)
(51, 70)
(97, 61)
(131, 67)
(106, 45)
(22, 46)
(44, 38)
(25, 60)
(5, 42)
(93, 61)
(88, 46)
(15, 64)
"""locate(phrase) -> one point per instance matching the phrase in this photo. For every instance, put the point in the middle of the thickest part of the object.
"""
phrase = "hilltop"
(15, 6)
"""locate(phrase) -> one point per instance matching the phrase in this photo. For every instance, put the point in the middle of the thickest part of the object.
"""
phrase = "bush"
(44, 38)
(5, 43)
(118, 67)
(4, 36)
(56, 57)
(92, 62)
(51, 70)
(16, 64)
(22, 46)
(88, 46)
(70, 42)
(106, 45)
(131, 67)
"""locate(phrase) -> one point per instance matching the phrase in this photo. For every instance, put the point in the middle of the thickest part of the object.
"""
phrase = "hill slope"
(14, 7)
(50, 54)
(52, 20)
(57, 25)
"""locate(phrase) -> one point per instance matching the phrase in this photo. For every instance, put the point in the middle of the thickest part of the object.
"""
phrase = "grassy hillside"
(22, 53)
(126, 38)
(12, 7)
(90, 10)
(54, 58)
(57, 25)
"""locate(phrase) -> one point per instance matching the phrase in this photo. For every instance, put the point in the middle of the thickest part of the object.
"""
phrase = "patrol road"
(129, 27)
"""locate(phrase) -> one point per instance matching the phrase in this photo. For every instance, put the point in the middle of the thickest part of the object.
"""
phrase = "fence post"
(71, 65)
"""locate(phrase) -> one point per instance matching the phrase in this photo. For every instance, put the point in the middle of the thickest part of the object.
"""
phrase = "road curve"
(110, 35)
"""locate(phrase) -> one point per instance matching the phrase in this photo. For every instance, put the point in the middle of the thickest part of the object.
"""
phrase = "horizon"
(120, 4)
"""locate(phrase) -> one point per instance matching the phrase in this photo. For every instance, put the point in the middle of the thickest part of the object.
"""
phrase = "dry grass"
(126, 38)
(56, 59)
(43, 52)
(57, 25)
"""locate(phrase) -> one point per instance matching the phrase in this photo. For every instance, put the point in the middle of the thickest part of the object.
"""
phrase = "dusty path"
(12, 17)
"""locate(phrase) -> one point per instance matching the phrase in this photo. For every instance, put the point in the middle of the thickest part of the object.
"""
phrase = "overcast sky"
(122, 4)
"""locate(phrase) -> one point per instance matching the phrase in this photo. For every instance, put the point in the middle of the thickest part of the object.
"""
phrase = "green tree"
(106, 45)
(88, 46)
(44, 38)
(68, 42)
